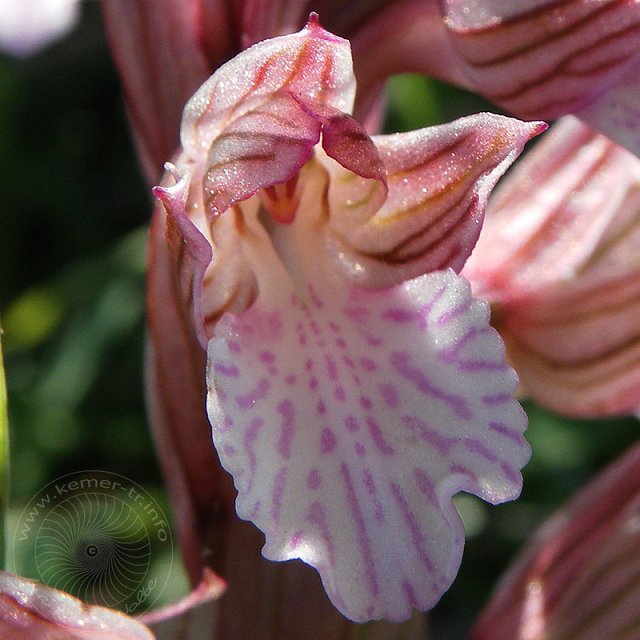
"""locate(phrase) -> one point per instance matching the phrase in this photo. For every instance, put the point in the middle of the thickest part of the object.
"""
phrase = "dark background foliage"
(72, 259)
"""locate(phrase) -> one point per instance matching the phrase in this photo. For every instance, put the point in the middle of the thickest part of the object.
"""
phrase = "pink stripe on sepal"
(544, 59)
(438, 181)
(580, 575)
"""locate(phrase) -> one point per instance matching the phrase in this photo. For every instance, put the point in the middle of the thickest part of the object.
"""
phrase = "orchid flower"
(354, 385)
(535, 58)
(558, 258)
(579, 576)
(545, 58)
(28, 26)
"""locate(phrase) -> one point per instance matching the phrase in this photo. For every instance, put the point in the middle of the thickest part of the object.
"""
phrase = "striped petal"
(29, 609)
(348, 418)
(580, 575)
(438, 180)
(545, 58)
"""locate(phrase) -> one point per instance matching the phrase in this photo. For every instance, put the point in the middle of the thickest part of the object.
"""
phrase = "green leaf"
(4, 458)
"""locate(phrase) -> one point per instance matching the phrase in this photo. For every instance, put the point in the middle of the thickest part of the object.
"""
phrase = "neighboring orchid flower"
(559, 258)
(28, 26)
(544, 59)
(535, 58)
(350, 395)
(580, 575)
(31, 610)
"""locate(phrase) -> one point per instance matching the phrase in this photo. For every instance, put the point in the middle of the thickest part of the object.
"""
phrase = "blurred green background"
(72, 262)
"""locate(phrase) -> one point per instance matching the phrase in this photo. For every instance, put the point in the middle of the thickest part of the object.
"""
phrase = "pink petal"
(544, 59)
(31, 610)
(580, 575)
(349, 417)
(439, 180)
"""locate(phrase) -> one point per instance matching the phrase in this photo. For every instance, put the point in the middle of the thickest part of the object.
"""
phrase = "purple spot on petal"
(378, 439)
(360, 449)
(365, 402)
(400, 315)
(308, 365)
(367, 479)
(320, 408)
(229, 450)
(511, 474)
(367, 364)
(407, 588)
(390, 395)
(234, 346)
(248, 400)
(401, 362)
(327, 440)
(287, 429)
(436, 439)
(290, 379)
(332, 369)
(279, 483)
(452, 314)
(426, 486)
(227, 370)
(340, 394)
(362, 534)
(417, 534)
(505, 431)
(477, 447)
(314, 479)
(498, 398)
(267, 357)
(351, 422)
(313, 382)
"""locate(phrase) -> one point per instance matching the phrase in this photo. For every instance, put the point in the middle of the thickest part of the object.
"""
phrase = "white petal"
(349, 417)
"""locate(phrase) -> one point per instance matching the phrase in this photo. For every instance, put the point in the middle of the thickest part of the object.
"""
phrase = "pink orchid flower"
(354, 385)
(546, 58)
(537, 58)
(558, 258)
(580, 575)
(28, 26)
